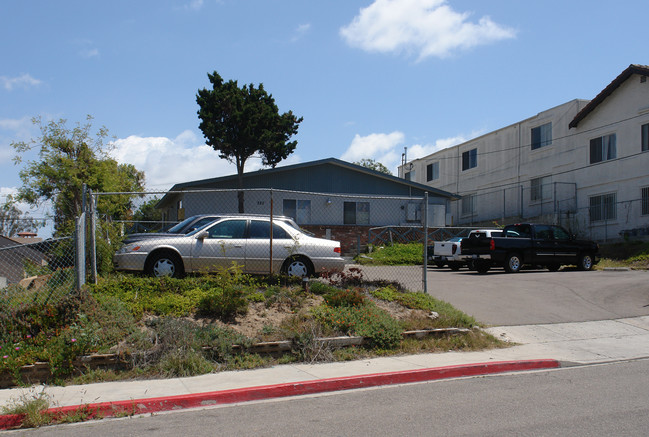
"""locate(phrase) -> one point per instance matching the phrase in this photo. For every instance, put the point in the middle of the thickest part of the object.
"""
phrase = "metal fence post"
(425, 269)
(93, 238)
(270, 264)
(80, 243)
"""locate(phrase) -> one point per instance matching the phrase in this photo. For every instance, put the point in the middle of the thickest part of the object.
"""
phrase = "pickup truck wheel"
(513, 263)
(481, 267)
(553, 267)
(439, 264)
(585, 262)
(454, 265)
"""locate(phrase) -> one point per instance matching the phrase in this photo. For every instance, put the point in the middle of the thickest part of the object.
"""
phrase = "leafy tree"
(147, 215)
(13, 221)
(373, 165)
(240, 122)
(67, 159)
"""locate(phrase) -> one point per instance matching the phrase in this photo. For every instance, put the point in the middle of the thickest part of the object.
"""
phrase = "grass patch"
(397, 254)
(631, 254)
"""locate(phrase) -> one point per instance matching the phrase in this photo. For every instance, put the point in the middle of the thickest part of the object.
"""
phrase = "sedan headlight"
(129, 248)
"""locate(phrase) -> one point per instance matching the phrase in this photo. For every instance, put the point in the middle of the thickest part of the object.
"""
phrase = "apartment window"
(541, 136)
(603, 207)
(645, 137)
(410, 176)
(356, 213)
(432, 171)
(298, 210)
(645, 201)
(468, 204)
(603, 149)
(469, 159)
(540, 189)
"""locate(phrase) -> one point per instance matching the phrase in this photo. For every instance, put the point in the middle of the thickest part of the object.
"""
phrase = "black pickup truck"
(521, 244)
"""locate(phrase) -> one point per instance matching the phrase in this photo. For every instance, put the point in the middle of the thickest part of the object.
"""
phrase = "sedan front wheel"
(165, 265)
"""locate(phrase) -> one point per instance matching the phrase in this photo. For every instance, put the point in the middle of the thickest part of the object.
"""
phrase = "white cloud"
(388, 148)
(417, 151)
(23, 81)
(89, 53)
(196, 4)
(300, 31)
(186, 158)
(383, 148)
(421, 27)
(19, 129)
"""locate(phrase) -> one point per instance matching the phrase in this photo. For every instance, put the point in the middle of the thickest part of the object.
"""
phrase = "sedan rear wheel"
(298, 266)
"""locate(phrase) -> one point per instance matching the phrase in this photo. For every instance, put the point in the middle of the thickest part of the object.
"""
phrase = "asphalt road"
(607, 399)
(531, 296)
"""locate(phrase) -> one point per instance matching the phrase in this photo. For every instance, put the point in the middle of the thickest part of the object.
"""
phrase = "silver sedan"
(242, 241)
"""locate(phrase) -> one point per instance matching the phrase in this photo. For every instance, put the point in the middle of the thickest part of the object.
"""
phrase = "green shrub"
(177, 364)
(346, 298)
(224, 304)
(369, 321)
(284, 297)
(320, 288)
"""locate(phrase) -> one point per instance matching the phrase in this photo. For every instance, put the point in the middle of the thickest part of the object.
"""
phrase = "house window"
(410, 176)
(645, 201)
(298, 210)
(469, 159)
(603, 207)
(645, 137)
(432, 171)
(541, 136)
(356, 213)
(539, 189)
(603, 149)
(468, 204)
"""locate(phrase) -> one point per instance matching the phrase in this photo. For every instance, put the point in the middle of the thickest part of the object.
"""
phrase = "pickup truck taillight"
(454, 249)
(492, 244)
(337, 249)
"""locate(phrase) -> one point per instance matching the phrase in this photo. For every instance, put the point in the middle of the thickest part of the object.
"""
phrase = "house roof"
(590, 107)
(231, 179)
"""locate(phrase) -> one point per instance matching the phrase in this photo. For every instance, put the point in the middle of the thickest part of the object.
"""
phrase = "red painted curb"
(153, 405)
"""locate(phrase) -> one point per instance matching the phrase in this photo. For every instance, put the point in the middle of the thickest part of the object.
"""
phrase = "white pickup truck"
(448, 252)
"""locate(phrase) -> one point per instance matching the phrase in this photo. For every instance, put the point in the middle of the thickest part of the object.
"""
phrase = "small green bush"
(367, 321)
(320, 288)
(346, 298)
(178, 364)
(224, 304)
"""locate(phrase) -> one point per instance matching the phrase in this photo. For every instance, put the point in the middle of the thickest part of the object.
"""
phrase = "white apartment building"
(583, 164)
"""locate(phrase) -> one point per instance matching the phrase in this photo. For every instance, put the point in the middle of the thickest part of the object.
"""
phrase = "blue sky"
(370, 77)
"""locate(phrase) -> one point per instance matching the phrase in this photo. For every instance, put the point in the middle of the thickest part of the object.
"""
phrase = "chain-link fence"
(42, 271)
(175, 233)
(605, 217)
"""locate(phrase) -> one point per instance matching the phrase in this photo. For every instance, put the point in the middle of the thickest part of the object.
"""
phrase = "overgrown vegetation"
(171, 327)
(631, 254)
(397, 254)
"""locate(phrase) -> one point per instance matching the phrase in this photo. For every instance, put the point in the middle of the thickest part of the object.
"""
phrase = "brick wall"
(353, 238)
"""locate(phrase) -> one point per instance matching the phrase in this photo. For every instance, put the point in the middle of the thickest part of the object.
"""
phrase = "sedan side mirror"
(202, 235)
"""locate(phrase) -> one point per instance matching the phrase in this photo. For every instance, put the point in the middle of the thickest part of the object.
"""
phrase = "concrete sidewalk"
(539, 346)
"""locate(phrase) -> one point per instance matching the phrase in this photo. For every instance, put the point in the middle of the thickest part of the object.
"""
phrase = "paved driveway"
(532, 296)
